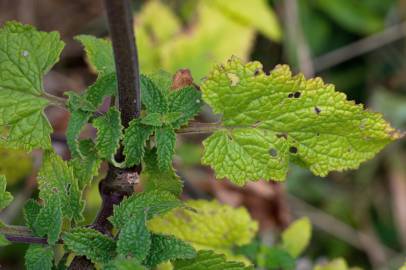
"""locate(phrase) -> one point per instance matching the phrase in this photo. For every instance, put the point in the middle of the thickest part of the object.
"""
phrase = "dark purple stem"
(26, 239)
(115, 187)
(121, 27)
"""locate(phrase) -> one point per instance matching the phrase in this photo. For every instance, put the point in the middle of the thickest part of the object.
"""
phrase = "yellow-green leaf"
(270, 120)
(207, 225)
(297, 236)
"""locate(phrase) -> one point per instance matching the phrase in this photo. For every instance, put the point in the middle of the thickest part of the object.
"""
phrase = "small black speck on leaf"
(293, 149)
(257, 72)
(297, 94)
(290, 95)
(317, 110)
(273, 152)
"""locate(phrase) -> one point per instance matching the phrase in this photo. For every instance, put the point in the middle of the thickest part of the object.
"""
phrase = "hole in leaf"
(317, 110)
(297, 94)
(257, 72)
(290, 95)
(293, 149)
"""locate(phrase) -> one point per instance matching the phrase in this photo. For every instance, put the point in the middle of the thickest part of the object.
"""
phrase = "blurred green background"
(358, 45)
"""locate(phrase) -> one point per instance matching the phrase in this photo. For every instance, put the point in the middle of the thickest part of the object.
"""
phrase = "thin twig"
(20, 234)
(196, 128)
(335, 226)
(57, 101)
(360, 47)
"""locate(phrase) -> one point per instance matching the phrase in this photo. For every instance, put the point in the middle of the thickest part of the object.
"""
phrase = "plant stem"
(115, 186)
(121, 25)
(57, 101)
(196, 128)
(20, 234)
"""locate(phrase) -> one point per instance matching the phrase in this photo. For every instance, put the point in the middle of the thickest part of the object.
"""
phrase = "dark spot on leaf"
(282, 135)
(257, 72)
(273, 152)
(293, 149)
(317, 134)
(317, 110)
(297, 94)
(290, 95)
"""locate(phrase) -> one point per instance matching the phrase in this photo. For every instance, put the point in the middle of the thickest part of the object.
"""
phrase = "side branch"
(198, 128)
(21, 234)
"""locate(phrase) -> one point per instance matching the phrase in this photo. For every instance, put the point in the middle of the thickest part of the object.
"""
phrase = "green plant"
(268, 121)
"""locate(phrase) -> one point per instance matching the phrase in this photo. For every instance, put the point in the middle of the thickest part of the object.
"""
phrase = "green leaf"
(297, 237)
(269, 120)
(96, 246)
(154, 178)
(171, 118)
(76, 102)
(207, 259)
(155, 202)
(186, 101)
(106, 85)
(84, 169)
(78, 119)
(165, 140)
(254, 13)
(124, 264)
(56, 176)
(165, 248)
(135, 137)
(152, 119)
(209, 225)
(99, 52)
(5, 196)
(275, 259)
(134, 239)
(49, 219)
(3, 240)
(153, 98)
(109, 132)
(83, 106)
(26, 55)
(31, 211)
(39, 257)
